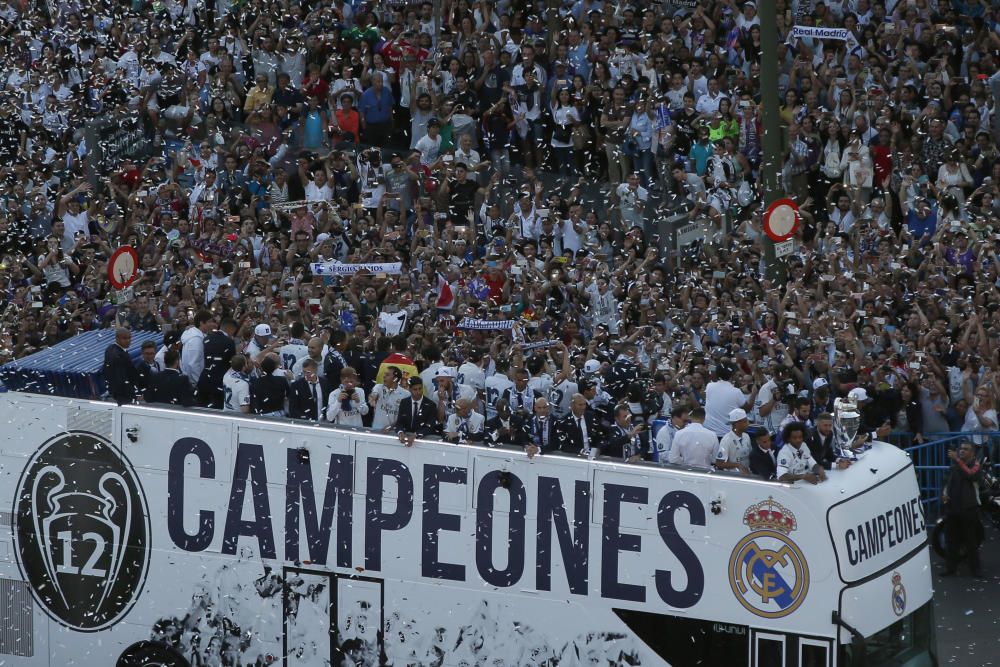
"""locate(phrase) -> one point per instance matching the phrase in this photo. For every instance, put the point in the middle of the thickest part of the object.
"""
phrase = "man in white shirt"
(694, 445)
(347, 402)
(447, 392)
(665, 436)
(734, 448)
(471, 371)
(429, 145)
(236, 387)
(721, 398)
(795, 461)
(709, 102)
(465, 424)
(193, 345)
(385, 399)
(496, 386)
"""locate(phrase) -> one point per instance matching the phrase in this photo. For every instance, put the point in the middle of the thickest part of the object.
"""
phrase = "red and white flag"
(446, 296)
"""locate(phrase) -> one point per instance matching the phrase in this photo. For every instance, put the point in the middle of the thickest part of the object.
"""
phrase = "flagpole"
(771, 124)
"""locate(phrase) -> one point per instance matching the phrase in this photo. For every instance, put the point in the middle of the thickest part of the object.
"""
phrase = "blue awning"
(73, 368)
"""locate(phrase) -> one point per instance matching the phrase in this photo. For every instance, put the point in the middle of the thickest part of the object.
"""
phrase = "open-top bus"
(144, 535)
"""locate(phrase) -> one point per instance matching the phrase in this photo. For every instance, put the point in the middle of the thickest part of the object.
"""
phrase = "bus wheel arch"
(151, 654)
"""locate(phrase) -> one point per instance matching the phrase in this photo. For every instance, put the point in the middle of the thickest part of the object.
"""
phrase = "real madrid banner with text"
(338, 269)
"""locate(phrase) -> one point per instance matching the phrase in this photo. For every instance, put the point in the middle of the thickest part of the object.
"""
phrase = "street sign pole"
(771, 122)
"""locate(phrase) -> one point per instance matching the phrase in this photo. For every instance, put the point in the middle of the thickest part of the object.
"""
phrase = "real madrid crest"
(767, 571)
(898, 594)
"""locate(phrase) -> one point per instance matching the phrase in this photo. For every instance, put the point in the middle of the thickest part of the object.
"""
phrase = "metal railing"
(931, 463)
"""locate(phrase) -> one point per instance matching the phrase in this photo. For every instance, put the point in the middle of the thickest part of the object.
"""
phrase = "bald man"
(119, 373)
(465, 424)
(578, 432)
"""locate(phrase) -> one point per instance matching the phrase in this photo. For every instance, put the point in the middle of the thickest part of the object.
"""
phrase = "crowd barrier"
(931, 463)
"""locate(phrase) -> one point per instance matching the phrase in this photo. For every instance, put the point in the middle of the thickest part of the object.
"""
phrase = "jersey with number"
(496, 385)
(387, 407)
(472, 375)
(236, 391)
(560, 394)
(292, 353)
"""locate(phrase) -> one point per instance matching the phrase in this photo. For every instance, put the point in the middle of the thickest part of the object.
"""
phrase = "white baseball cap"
(858, 394)
(592, 366)
(445, 372)
(819, 383)
(736, 414)
(262, 330)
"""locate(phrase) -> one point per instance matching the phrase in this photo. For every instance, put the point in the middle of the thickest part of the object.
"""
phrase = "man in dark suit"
(269, 391)
(538, 433)
(502, 429)
(626, 440)
(147, 366)
(122, 377)
(763, 460)
(821, 445)
(169, 386)
(578, 432)
(307, 397)
(417, 414)
(219, 349)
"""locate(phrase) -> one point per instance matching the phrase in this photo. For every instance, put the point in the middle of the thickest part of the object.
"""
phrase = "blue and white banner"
(816, 32)
(485, 325)
(527, 347)
(338, 269)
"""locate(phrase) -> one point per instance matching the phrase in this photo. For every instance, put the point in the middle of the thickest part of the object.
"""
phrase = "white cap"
(858, 394)
(321, 238)
(262, 330)
(736, 414)
(445, 372)
(819, 383)
(592, 366)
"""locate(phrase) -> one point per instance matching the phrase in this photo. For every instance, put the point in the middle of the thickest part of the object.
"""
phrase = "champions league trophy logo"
(82, 531)
(846, 422)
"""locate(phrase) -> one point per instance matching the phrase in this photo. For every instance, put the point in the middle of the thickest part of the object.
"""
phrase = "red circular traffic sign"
(781, 220)
(123, 267)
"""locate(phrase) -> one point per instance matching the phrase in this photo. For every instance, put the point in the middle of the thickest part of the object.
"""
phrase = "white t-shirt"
(292, 355)
(694, 445)
(735, 448)
(472, 375)
(721, 398)
(236, 390)
(429, 149)
(772, 421)
(466, 426)
(796, 461)
(560, 395)
(387, 407)
(351, 416)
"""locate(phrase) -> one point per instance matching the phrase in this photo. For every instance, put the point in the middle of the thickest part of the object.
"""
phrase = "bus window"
(813, 653)
(689, 641)
(909, 641)
(769, 650)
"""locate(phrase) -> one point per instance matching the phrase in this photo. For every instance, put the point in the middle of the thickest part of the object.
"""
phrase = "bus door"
(329, 617)
(772, 649)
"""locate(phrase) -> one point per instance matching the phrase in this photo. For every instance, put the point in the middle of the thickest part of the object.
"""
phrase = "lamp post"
(772, 142)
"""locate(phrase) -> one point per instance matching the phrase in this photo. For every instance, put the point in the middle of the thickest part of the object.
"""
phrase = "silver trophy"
(846, 422)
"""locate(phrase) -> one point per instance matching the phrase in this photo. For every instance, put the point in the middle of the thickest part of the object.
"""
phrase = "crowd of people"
(440, 217)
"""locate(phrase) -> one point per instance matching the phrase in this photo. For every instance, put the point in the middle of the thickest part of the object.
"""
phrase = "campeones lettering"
(884, 531)
(562, 511)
